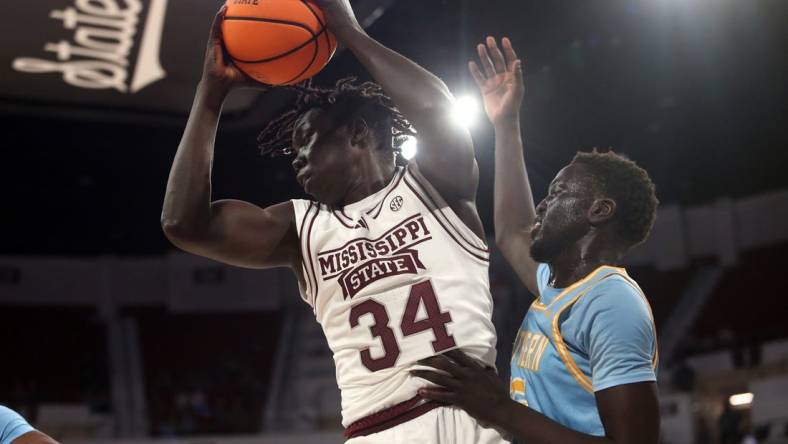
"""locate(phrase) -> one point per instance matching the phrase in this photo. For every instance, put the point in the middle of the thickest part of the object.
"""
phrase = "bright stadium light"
(741, 399)
(409, 147)
(465, 111)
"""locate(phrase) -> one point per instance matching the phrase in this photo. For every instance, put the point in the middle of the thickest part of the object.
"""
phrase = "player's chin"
(312, 188)
(318, 197)
(321, 196)
(540, 251)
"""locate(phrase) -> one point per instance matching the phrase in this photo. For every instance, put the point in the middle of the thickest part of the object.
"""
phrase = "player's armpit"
(630, 413)
(463, 207)
(445, 149)
(242, 234)
(446, 157)
(35, 437)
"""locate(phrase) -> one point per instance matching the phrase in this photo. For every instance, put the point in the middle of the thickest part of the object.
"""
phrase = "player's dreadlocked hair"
(345, 101)
(630, 186)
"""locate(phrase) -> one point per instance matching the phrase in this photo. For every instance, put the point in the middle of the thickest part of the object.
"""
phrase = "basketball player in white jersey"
(390, 257)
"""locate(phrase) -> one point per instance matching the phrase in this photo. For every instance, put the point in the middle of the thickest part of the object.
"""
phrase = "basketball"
(277, 42)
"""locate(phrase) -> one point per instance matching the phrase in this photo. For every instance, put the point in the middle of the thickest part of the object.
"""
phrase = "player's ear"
(601, 211)
(359, 130)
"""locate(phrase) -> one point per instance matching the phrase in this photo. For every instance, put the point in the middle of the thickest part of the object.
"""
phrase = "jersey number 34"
(435, 321)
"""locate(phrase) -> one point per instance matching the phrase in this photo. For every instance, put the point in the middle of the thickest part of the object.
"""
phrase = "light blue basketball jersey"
(12, 425)
(595, 334)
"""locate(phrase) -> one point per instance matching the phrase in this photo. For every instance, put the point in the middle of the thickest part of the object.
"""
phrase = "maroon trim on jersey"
(349, 222)
(437, 207)
(361, 223)
(409, 246)
(353, 280)
(440, 222)
(346, 224)
(406, 247)
(368, 239)
(391, 417)
(379, 207)
(309, 255)
(353, 224)
(304, 257)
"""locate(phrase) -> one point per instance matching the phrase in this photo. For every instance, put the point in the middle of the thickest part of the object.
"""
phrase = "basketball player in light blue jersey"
(14, 429)
(583, 366)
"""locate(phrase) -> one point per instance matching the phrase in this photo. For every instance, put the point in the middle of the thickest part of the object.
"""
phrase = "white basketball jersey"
(393, 278)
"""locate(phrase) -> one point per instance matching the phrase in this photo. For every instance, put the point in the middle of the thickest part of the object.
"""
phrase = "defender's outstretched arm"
(500, 80)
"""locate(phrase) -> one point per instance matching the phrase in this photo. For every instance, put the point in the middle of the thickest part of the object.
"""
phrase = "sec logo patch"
(396, 203)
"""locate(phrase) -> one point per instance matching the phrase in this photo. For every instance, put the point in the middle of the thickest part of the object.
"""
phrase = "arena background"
(111, 335)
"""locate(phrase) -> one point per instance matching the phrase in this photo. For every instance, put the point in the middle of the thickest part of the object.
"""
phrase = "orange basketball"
(278, 42)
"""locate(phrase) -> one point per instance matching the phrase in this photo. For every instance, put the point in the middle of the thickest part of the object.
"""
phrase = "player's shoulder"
(12, 425)
(304, 213)
(298, 203)
(6, 414)
(617, 283)
(617, 292)
(411, 167)
(281, 213)
(301, 207)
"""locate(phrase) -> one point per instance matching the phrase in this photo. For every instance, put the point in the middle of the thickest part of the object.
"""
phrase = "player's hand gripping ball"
(277, 42)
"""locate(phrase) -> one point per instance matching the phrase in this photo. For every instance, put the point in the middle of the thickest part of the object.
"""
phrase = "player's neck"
(373, 176)
(585, 256)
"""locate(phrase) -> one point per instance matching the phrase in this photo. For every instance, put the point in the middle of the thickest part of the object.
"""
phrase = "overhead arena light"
(741, 399)
(465, 112)
(409, 147)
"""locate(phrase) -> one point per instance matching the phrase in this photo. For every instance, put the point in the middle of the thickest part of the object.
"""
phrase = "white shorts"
(442, 425)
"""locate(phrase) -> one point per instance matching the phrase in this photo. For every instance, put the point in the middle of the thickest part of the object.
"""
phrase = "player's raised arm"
(231, 231)
(500, 80)
(445, 150)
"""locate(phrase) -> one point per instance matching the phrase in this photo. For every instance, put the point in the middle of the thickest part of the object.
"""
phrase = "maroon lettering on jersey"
(362, 261)
(354, 280)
